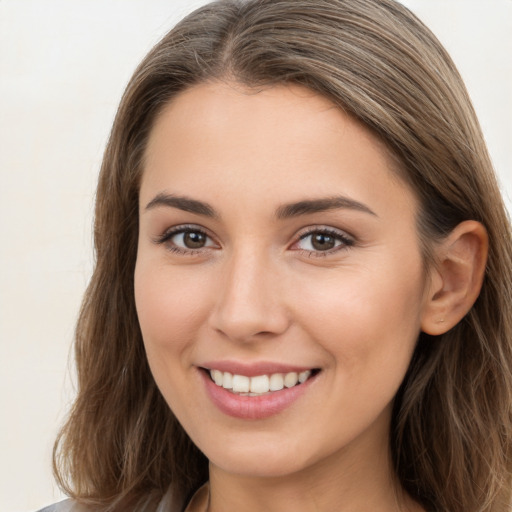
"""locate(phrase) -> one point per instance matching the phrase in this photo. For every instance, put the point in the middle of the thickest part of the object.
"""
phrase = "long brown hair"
(451, 435)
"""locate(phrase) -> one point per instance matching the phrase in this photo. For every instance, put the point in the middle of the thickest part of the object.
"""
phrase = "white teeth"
(261, 384)
(291, 379)
(217, 377)
(227, 382)
(241, 384)
(276, 382)
(304, 376)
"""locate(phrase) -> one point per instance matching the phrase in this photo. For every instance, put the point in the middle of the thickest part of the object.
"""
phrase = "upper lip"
(253, 369)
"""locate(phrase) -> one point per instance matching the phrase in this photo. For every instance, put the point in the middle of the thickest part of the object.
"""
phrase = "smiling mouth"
(260, 384)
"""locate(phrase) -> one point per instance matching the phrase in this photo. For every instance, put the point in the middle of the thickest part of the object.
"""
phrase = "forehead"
(285, 140)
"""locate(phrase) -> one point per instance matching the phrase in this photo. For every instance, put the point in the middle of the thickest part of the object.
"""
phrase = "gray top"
(62, 506)
(169, 503)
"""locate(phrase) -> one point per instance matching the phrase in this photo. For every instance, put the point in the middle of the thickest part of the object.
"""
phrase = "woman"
(302, 291)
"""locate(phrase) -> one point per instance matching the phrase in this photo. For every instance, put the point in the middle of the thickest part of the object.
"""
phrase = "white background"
(63, 67)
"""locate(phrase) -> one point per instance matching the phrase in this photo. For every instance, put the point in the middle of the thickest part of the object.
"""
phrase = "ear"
(456, 279)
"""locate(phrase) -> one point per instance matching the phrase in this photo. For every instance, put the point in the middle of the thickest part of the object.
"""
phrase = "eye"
(190, 240)
(323, 241)
(186, 239)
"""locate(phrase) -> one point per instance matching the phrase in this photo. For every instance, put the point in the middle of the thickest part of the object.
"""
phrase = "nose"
(250, 304)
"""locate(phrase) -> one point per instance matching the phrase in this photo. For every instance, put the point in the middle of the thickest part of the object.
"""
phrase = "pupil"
(323, 242)
(194, 240)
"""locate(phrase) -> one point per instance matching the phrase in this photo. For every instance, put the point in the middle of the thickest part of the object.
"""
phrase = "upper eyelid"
(181, 228)
(324, 229)
(347, 240)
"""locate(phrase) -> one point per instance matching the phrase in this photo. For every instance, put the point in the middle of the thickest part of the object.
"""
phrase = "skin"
(257, 291)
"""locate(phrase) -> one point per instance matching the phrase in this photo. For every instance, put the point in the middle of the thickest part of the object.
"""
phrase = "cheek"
(170, 313)
(168, 307)
(367, 317)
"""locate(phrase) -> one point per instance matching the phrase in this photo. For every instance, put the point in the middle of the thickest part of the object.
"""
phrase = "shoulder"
(64, 506)
(170, 502)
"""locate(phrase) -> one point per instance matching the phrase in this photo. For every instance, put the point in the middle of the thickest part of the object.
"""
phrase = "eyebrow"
(182, 203)
(321, 205)
(296, 209)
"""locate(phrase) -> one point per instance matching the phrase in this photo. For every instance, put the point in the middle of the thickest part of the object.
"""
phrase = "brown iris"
(194, 239)
(322, 241)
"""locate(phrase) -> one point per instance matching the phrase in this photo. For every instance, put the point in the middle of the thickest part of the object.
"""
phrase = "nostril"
(246, 309)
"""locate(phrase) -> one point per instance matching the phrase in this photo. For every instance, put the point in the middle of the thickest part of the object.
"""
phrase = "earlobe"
(457, 278)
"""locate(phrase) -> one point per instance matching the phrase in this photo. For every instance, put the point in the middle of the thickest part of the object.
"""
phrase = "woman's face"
(276, 246)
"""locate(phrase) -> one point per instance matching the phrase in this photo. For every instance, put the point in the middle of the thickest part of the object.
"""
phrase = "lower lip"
(253, 407)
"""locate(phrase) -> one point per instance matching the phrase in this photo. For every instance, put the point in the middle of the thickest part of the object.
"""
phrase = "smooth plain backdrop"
(63, 68)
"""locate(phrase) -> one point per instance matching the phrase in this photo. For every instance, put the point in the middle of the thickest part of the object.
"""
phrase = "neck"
(348, 481)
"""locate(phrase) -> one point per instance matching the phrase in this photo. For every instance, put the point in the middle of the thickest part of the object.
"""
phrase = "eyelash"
(178, 230)
(346, 241)
(338, 236)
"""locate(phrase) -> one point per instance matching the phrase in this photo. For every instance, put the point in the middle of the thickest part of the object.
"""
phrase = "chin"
(257, 460)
